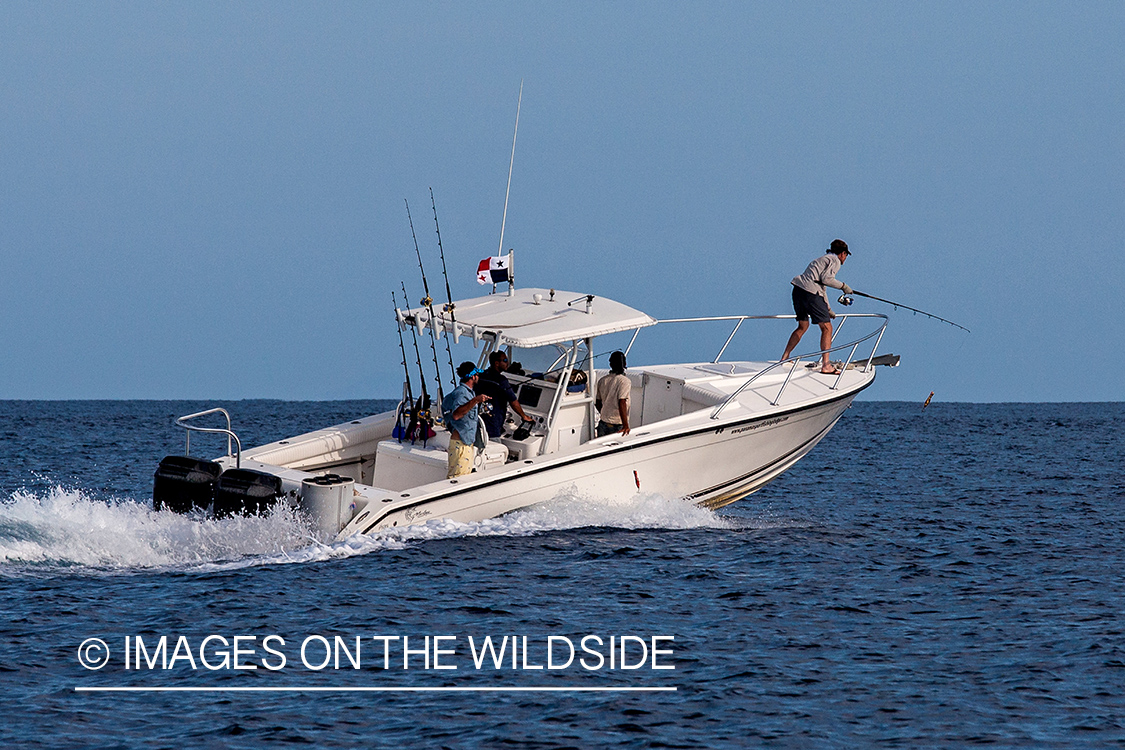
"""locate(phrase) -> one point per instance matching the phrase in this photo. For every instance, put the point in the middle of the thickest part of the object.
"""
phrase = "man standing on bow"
(810, 300)
(460, 409)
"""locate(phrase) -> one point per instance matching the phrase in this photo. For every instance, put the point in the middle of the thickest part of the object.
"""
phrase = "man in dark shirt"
(493, 383)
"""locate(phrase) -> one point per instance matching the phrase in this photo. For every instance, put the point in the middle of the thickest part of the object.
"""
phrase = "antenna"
(504, 220)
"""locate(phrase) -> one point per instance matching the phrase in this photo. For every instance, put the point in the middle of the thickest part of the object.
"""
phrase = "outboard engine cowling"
(183, 483)
(329, 501)
(245, 492)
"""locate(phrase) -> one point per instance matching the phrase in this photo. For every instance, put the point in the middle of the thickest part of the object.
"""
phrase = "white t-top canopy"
(522, 320)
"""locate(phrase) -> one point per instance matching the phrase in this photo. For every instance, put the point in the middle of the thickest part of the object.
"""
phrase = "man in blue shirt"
(460, 408)
(493, 383)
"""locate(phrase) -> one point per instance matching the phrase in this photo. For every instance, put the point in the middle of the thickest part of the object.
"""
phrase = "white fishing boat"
(712, 430)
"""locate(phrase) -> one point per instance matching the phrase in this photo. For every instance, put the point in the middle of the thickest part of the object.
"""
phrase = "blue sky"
(205, 200)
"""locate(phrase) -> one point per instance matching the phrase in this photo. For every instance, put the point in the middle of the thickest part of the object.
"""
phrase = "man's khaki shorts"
(460, 458)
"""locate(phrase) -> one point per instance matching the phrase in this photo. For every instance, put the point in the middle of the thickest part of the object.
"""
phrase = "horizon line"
(371, 689)
(397, 399)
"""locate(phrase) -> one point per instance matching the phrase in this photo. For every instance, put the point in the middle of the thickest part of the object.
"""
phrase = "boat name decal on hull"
(767, 423)
(413, 514)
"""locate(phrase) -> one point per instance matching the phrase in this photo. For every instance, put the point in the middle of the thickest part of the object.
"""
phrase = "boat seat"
(700, 397)
(401, 466)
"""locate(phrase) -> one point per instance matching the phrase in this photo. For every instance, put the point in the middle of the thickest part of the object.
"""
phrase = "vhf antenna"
(508, 191)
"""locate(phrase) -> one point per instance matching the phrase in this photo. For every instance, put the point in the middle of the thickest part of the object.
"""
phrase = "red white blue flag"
(494, 270)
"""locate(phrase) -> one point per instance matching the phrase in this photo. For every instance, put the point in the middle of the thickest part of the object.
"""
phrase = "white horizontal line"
(299, 689)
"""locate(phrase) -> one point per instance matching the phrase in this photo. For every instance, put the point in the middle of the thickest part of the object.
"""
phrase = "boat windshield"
(543, 359)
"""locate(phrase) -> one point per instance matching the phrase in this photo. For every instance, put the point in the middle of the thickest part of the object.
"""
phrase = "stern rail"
(190, 428)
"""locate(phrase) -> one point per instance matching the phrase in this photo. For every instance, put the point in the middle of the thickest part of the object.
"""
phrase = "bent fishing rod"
(846, 300)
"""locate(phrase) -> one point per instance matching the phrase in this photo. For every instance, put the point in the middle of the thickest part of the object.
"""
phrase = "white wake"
(65, 528)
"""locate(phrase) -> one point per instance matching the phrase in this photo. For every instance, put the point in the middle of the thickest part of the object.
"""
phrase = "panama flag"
(494, 270)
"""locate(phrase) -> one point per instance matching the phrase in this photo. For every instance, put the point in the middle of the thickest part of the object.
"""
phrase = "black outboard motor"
(245, 492)
(182, 483)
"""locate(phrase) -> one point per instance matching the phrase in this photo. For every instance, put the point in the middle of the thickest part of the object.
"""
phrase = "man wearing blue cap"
(460, 408)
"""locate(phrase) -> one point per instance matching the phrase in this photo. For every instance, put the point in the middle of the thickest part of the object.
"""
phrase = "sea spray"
(66, 528)
(568, 510)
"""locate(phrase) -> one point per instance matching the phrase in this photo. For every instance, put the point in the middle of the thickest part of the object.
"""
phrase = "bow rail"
(851, 346)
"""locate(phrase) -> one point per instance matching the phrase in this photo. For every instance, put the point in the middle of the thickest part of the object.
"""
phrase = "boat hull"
(712, 464)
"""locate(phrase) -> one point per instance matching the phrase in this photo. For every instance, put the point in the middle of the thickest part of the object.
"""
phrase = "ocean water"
(937, 578)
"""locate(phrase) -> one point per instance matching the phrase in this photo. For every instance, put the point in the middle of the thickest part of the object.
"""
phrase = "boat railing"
(190, 428)
(793, 361)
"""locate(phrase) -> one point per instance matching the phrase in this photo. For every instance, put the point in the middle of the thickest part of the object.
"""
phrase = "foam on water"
(946, 578)
(641, 511)
(65, 527)
(569, 510)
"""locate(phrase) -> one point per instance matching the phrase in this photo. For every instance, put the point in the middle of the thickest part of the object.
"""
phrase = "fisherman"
(460, 408)
(810, 300)
(496, 386)
(612, 399)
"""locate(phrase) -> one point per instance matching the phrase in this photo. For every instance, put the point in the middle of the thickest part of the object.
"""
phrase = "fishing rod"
(420, 409)
(399, 432)
(448, 294)
(428, 302)
(417, 352)
(845, 300)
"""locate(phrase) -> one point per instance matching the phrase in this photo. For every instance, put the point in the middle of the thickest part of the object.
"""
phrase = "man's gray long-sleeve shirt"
(820, 273)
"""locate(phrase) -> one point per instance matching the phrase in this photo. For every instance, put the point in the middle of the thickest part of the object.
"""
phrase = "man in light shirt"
(810, 300)
(612, 399)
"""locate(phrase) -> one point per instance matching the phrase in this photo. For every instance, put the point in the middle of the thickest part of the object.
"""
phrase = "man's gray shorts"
(808, 305)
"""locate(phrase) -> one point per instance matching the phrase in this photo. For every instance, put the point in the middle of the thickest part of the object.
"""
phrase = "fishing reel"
(845, 300)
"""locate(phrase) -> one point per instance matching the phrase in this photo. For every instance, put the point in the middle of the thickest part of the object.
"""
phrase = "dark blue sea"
(940, 578)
